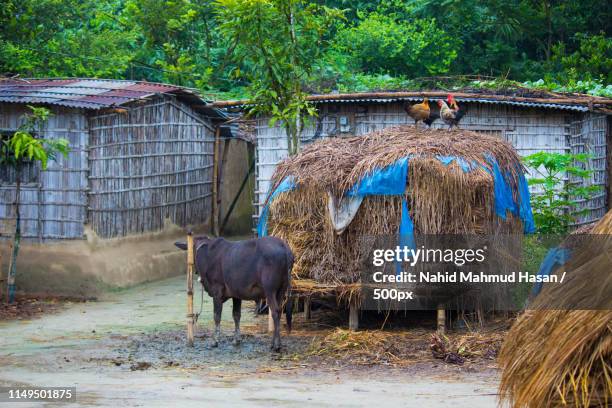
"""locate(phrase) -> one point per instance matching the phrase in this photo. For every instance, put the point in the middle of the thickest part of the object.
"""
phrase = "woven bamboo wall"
(589, 135)
(150, 163)
(529, 130)
(52, 201)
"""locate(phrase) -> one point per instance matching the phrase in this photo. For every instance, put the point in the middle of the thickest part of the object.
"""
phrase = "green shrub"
(554, 210)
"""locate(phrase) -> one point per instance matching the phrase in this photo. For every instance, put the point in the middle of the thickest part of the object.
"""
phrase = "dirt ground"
(128, 349)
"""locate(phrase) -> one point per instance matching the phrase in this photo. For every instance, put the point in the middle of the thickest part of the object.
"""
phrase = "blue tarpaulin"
(504, 200)
(406, 233)
(555, 257)
(287, 184)
(525, 206)
(464, 164)
(390, 180)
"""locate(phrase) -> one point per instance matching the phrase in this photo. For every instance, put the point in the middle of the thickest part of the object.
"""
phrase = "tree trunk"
(16, 240)
(298, 131)
(548, 13)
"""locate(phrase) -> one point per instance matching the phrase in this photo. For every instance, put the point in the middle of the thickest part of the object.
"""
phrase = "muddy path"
(128, 350)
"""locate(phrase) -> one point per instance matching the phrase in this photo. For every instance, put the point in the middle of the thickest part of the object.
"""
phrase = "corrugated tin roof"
(580, 108)
(93, 93)
(580, 103)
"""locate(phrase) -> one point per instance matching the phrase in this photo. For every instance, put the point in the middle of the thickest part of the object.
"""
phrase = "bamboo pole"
(214, 216)
(190, 315)
(353, 315)
(307, 308)
(220, 166)
(270, 321)
(1, 279)
(441, 319)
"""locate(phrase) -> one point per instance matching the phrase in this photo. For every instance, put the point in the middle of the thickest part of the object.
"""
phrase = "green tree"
(554, 208)
(384, 43)
(275, 44)
(21, 148)
(592, 59)
(56, 38)
(177, 39)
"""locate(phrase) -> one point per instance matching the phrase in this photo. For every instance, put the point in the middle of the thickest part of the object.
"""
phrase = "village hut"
(559, 352)
(531, 120)
(400, 181)
(141, 167)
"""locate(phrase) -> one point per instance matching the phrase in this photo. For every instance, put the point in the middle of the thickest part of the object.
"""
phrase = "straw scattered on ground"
(403, 348)
(25, 307)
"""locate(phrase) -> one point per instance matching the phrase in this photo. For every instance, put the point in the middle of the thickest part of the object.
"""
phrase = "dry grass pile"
(367, 347)
(442, 199)
(456, 349)
(563, 357)
(375, 347)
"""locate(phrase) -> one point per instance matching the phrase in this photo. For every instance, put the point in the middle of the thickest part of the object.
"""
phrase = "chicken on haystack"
(419, 111)
(453, 114)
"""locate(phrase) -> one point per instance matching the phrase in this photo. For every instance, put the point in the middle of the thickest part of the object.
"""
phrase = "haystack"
(450, 188)
(563, 357)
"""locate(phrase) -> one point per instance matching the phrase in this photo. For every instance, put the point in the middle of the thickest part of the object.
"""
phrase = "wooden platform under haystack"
(443, 198)
(559, 353)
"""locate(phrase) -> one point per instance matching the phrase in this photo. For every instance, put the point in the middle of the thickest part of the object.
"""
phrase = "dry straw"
(555, 358)
(442, 199)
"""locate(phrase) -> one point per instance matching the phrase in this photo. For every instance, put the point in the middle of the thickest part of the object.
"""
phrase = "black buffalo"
(245, 270)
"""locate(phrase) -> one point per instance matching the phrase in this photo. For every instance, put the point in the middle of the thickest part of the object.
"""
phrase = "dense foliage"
(343, 45)
(554, 208)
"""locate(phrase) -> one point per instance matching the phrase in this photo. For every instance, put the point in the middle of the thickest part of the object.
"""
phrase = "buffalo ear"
(181, 245)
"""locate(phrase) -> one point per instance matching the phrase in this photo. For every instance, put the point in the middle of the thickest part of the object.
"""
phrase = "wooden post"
(307, 308)
(1, 279)
(220, 167)
(214, 216)
(441, 319)
(353, 315)
(190, 315)
(270, 321)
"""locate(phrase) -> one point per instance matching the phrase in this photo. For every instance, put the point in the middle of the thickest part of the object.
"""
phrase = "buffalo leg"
(237, 303)
(275, 311)
(218, 308)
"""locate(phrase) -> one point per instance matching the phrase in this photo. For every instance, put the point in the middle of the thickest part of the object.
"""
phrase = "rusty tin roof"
(94, 93)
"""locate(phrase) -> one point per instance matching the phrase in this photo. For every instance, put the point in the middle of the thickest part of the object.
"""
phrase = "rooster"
(451, 116)
(419, 111)
(434, 114)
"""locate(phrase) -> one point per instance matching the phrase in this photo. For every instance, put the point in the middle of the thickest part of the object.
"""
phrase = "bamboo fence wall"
(151, 163)
(127, 172)
(589, 135)
(530, 130)
(52, 201)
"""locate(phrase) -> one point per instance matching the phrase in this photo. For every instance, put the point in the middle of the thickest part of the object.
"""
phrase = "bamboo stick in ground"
(270, 321)
(307, 308)
(441, 319)
(215, 191)
(190, 315)
(353, 316)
